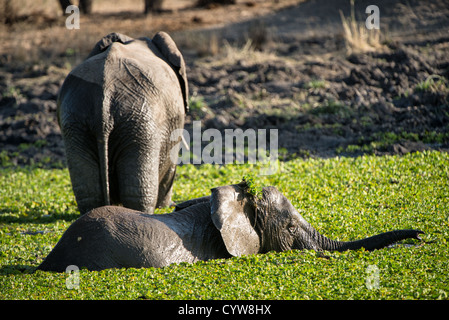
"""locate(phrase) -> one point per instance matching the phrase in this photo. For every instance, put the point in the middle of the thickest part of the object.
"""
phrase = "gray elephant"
(117, 110)
(230, 222)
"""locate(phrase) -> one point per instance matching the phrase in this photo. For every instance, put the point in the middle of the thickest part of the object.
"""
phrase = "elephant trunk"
(307, 237)
(375, 242)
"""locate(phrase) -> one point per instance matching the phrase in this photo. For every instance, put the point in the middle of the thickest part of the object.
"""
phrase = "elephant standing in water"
(230, 222)
(117, 110)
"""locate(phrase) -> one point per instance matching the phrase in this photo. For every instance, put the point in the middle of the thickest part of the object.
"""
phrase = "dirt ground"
(257, 64)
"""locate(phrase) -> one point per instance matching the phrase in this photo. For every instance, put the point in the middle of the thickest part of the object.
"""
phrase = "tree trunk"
(64, 4)
(86, 6)
(153, 6)
(9, 14)
(205, 3)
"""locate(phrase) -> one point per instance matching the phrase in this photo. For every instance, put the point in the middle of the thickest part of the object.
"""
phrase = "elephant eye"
(292, 228)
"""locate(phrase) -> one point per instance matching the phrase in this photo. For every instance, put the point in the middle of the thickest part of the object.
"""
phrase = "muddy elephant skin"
(230, 222)
(117, 110)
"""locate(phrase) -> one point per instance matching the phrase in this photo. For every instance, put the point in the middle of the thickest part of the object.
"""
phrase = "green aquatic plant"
(252, 185)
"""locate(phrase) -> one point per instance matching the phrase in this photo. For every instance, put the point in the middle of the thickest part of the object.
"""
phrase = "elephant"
(230, 222)
(116, 111)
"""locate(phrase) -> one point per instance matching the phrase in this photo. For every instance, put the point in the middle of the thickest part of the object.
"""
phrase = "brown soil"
(295, 75)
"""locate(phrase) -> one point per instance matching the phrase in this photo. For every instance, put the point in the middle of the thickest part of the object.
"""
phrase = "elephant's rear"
(144, 115)
(117, 111)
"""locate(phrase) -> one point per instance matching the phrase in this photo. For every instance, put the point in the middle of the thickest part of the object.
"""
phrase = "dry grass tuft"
(358, 38)
(231, 54)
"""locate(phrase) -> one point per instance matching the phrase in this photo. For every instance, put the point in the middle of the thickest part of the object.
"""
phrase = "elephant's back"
(90, 70)
(130, 67)
(134, 73)
(118, 79)
(81, 93)
(137, 62)
(141, 240)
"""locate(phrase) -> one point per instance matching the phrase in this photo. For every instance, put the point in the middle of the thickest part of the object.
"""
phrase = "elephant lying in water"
(230, 222)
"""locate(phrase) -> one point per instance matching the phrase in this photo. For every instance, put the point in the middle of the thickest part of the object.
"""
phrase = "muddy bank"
(391, 101)
(323, 101)
(29, 132)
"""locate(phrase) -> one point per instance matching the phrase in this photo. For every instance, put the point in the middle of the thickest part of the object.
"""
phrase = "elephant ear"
(173, 56)
(231, 215)
(106, 41)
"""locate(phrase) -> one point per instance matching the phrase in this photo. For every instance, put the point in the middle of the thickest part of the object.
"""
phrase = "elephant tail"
(104, 169)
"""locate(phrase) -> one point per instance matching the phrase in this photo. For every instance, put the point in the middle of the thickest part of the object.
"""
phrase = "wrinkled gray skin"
(116, 111)
(223, 225)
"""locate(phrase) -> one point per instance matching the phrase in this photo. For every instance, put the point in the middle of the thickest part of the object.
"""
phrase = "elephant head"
(250, 225)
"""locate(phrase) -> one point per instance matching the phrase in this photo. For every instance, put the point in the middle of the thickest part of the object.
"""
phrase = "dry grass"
(248, 51)
(40, 35)
(52, 8)
(27, 7)
(228, 54)
(358, 38)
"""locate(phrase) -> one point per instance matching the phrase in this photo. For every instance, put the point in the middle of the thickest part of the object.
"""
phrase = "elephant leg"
(166, 188)
(82, 162)
(137, 175)
(167, 168)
